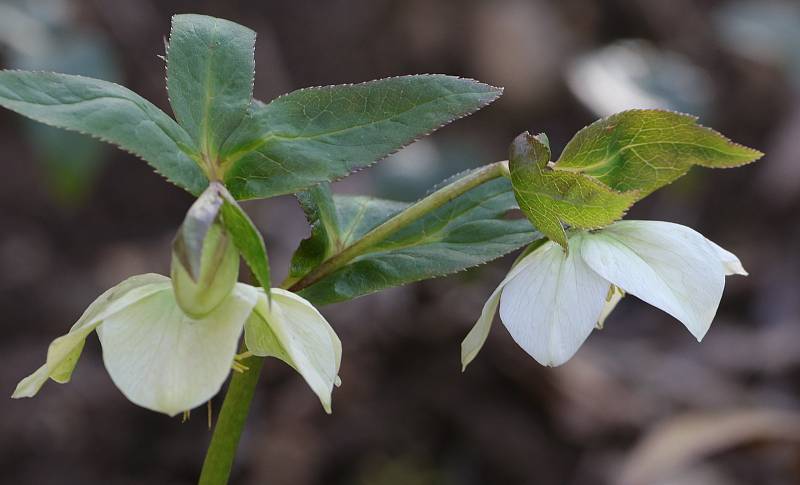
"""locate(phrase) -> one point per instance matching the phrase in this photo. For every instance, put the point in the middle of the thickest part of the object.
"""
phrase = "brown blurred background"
(641, 403)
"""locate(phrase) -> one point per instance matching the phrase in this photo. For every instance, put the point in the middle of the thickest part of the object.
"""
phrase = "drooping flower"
(551, 300)
(169, 344)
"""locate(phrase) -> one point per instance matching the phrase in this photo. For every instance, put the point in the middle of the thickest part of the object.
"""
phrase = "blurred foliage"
(44, 36)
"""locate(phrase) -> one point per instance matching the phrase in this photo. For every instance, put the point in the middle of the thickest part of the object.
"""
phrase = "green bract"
(611, 164)
(646, 149)
(551, 197)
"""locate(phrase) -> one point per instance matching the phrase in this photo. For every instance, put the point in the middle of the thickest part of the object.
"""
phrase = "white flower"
(164, 360)
(551, 300)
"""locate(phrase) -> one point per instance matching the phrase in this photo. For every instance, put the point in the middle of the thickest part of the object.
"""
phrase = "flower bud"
(219, 270)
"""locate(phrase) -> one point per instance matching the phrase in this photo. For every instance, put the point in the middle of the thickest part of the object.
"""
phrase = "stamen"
(210, 413)
(243, 355)
(187, 415)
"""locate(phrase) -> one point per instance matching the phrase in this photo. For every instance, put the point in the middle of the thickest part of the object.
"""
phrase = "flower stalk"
(409, 215)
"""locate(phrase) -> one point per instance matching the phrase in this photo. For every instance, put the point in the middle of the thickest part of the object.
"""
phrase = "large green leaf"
(106, 111)
(318, 205)
(551, 197)
(210, 71)
(645, 149)
(321, 134)
(470, 230)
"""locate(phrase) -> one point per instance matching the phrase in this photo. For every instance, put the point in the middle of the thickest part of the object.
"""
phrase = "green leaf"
(210, 71)
(189, 242)
(646, 149)
(246, 238)
(551, 197)
(322, 134)
(106, 111)
(318, 205)
(468, 231)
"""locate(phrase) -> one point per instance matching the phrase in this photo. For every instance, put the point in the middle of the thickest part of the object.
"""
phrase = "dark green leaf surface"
(210, 71)
(106, 111)
(188, 244)
(466, 232)
(646, 149)
(551, 197)
(246, 238)
(321, 134)
(318, 205)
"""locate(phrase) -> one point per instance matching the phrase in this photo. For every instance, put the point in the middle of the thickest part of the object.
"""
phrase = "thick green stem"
(404, 218)
(230, 423)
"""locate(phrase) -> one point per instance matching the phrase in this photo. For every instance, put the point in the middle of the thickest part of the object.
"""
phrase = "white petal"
(729, 260)
(667, 265)
(552, 306)
(165, 361)
(292, 330)
(477, 336)
(63, 353)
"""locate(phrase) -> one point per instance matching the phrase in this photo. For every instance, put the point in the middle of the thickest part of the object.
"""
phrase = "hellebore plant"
(169, 344)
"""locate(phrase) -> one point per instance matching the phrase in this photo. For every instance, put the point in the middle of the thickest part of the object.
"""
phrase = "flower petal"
(551, 306)
(63, 353)
(165, 361)
(667, 265)
(477, 336)
(292, 330)
(729, 260)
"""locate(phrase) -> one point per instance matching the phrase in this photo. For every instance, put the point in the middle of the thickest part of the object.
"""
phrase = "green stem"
(401, 220)
(230, 423)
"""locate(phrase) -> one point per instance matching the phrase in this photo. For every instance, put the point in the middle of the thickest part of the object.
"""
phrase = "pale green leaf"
(322, 134)
(643, 150)
(109, 112)
(551, 197)
(210, 71)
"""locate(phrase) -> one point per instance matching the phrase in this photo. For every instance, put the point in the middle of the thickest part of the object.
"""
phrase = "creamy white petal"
(729, 260)
(292, 330)
(552, 306)
(477, 336)
(165, 361)
(64, 352)
(667, 265)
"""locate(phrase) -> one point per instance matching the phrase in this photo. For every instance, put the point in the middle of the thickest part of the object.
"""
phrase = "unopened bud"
(219, 270)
